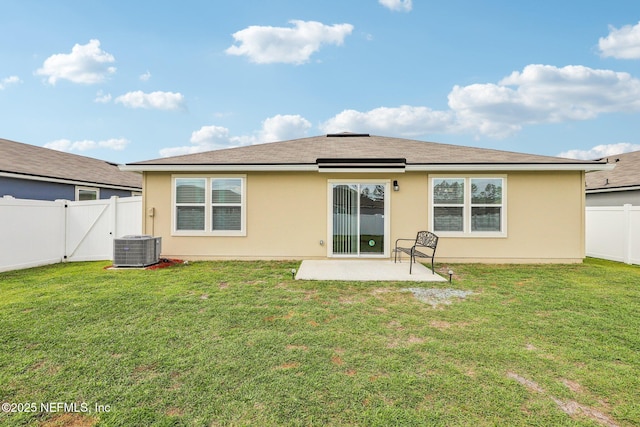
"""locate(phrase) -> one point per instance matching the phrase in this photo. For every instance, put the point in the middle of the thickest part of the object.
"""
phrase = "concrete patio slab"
(365, 270)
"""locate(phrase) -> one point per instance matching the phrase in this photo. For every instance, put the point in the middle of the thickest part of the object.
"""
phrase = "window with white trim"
(209, 206)
(472, 206)
(87, 193)
(226, 204)
(190, 204)
(448, 204)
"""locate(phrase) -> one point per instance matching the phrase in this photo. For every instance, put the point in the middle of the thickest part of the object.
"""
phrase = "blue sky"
(135, 80)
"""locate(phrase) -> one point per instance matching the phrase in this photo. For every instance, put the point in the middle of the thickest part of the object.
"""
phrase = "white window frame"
(467, 207)
(208, 207)
(93, 189)
(202, 205)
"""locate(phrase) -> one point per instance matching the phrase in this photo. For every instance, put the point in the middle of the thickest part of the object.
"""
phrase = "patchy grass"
(240, 343)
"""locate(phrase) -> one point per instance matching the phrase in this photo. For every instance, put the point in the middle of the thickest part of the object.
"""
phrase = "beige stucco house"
(352, 195)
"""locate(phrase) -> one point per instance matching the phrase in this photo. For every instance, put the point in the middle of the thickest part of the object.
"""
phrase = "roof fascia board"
(68, 181)
(614, 189)
(461, 167)
(510, 167)
(220, 168)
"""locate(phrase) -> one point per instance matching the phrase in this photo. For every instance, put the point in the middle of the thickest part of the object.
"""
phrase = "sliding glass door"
(359, 220)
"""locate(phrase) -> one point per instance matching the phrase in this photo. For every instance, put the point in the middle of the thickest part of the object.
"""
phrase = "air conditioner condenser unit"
(136, 251)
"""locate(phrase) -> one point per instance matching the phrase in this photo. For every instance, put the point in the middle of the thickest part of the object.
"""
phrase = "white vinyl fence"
(34, 232)
(613, 232)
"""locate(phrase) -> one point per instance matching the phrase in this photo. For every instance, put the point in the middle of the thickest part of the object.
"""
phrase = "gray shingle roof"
(25, 159)
(357, 146)
(625, 174)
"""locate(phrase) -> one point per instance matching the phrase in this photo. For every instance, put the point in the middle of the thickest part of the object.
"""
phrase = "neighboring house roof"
(625, 175)
(26, 161)
(359, 151)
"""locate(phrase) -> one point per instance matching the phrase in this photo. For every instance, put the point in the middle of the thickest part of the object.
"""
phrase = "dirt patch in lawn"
(69, 420)
(288, 365)
(436, 297)
(569, 407)
(174, 412)
(297, 347)
(406, 342)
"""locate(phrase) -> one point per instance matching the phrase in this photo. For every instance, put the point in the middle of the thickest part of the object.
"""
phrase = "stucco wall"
(545, 223)
(287, 218)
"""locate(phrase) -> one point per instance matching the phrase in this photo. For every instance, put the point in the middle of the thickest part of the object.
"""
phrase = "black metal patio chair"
(424, 246)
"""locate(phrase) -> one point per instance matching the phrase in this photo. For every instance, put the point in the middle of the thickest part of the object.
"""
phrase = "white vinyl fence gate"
(613, 232)
(34, 232)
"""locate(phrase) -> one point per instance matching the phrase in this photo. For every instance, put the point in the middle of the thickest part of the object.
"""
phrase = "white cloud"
(405, 120)
(145, 77)
(59, 144)
(102, 98)
(265, 45)
(284, 127)
(153, 100)
(87, 64)
(117, 144)
(211, 138)
(204, 139)
(276, 128)
(539, 94)
(621, 43)
(487, 109)
(7, 81)
(542, 94)
(397, 5)
(600, 151)
(179, 151)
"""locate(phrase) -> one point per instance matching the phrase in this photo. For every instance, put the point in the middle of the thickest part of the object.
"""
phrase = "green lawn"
(241, 343)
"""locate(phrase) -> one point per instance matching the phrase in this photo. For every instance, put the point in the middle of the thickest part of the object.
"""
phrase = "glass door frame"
(387, 219)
